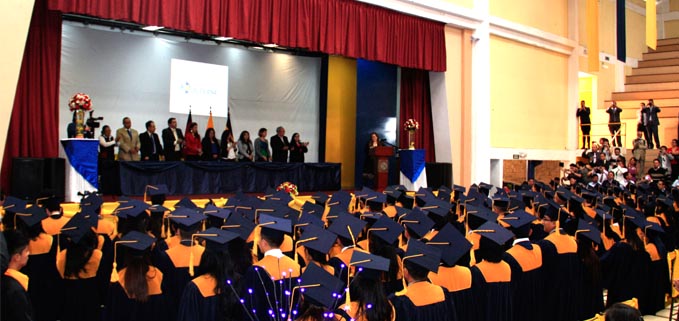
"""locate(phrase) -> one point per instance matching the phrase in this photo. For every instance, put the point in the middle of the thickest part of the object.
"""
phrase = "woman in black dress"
(210, 145)
(369, 169)
(297, 149)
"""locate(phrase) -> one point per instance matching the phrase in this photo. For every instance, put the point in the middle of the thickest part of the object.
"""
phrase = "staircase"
(657, 77)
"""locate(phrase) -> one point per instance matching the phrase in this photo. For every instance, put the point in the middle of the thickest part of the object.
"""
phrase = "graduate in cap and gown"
(366, 300)
(561, 265)
(454, 274)
(421, 300)
(41, 266)
(138, 291)
(382, 240)
(80, 266)
(588, 238)
(525, 260)
(214, 294)
(14, 300)
(319, 293)
(491, 277)
(266, 281)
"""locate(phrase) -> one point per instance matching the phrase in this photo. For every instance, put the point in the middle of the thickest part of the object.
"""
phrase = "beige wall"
(461, 3)
(672, 29)
(529, 93)
(547, 15)
(15, 17)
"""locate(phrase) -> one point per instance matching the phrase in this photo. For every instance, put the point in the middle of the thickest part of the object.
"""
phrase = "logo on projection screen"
(200, 86)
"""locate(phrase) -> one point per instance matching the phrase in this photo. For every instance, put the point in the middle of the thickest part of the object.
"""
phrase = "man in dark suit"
(652, 122)
(279, 146)
(173, 141)
(151, 150)
(614, 123)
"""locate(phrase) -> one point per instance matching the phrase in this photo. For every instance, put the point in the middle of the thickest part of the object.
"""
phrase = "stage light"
(256, 48)
(271, 45)
(152, 28)
(222, 38)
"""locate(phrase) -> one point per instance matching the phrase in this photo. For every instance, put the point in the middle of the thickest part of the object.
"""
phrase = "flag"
(210, 123)
(188, 122)
(651, 27)
(592, 27)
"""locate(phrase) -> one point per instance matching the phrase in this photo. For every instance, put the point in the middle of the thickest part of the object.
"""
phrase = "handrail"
(600, 130)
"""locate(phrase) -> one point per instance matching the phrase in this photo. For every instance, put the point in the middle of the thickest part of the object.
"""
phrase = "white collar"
(274, 252)
(523, 239)
(347, 247)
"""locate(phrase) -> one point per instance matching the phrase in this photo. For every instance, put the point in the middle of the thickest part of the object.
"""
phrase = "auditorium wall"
(529, 92)
(15, 15)
(549, 16)
(341, 116)
(461, 3)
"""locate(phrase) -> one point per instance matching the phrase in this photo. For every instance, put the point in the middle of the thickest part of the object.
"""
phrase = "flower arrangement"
(80, 101)
(289, 188)
(411, 124)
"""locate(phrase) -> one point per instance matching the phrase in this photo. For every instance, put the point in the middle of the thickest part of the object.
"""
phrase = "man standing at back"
(172, 141)
(279, 146)
(151, 150)
(614, 123)
(652, 124)
(128, 142)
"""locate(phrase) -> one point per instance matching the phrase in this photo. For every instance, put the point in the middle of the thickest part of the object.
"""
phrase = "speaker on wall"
(27, 177)
(54, 175)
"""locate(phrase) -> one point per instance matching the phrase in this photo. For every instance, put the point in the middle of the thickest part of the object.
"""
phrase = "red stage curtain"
(416, 104)
(33, 128)
(336, 27)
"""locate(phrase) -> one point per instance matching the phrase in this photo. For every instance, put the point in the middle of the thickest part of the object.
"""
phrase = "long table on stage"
(185, 178)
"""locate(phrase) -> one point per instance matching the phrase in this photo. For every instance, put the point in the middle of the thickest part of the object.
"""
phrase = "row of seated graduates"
(418, 223)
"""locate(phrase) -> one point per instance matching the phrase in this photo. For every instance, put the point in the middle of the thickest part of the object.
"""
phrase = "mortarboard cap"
(186, 203)
(239, 225)
(307, 219)
(589, 231)
(214, 211)
(318, 238)
(157, 190)
(603, 214)
(31, 216)
(280, 197)
(131, 208)
(407, 201)
(347, 227)
(77, 227)
(137, 241)
(481, 213)
(393, 193)
(215, 238)
(444, 193)
(275, 223)
(13, 204)
(92, 202)
(420, 254)
(452, 243)
(417, 222)
(320, 287)
(339, 201)
(320, 198)
(158, 209)
(494, 232)
(386, 229)
(313, 209)
(518, 219)
(186, 218)
(365, 260)
(437, 207)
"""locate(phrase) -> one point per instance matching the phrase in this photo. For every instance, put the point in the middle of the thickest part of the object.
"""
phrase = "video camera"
(91, 124)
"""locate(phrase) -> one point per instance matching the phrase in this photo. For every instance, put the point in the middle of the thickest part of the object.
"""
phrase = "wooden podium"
(381, 156)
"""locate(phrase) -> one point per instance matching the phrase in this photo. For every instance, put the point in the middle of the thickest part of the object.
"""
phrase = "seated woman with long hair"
(137, 291)
(368, 300)
(213, 295)
(81, 269)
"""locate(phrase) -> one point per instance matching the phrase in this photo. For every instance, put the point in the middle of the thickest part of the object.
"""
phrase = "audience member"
(128, 142)
(614, 123)
(639, 152)
(151, 149)
(657, 172)
(622, 312)
(280, 146)
(173, 141)
(193, 149)
(228, 146)
(585, 123)
(665, 160)
(652, 124)
(674, 151)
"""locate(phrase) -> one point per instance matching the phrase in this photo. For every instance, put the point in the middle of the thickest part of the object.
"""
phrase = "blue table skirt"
(223, 177)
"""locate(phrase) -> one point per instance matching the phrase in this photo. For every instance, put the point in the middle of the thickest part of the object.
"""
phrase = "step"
(656, 70)
(665, 48)
(668, 41)
(652, 87)
(649, 79)
(641, 95)
(659, 63)
(660, 55)
(634, 103)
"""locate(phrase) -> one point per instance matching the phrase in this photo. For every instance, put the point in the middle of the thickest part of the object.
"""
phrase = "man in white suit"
(128, 142)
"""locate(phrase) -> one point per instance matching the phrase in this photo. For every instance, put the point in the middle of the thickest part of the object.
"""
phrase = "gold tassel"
(368, 234)
(353, 239)
(302, 241)
(114, 272)
(191, 261)
(405, 286)
(191, 256)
